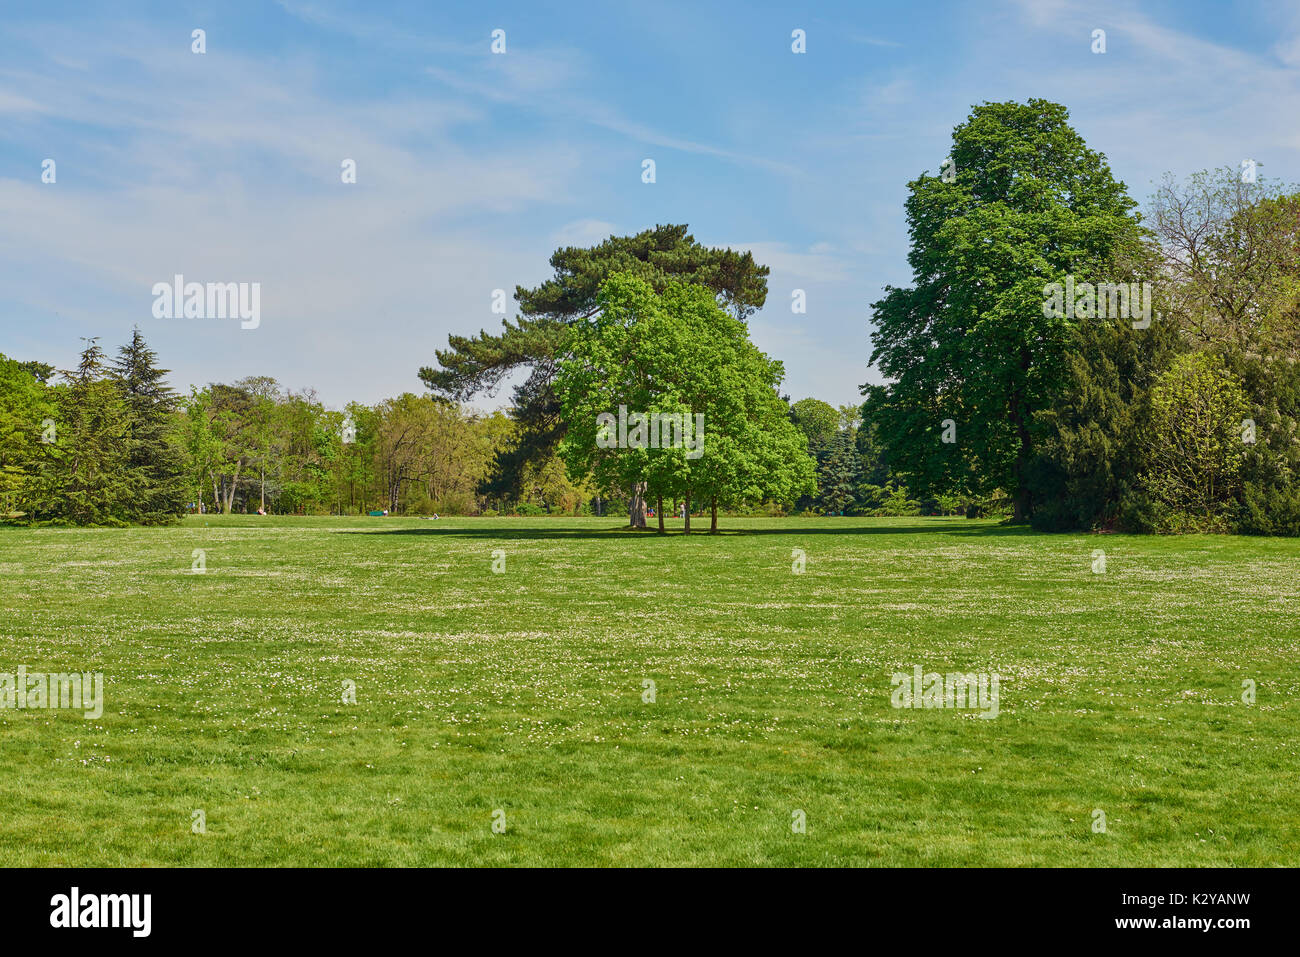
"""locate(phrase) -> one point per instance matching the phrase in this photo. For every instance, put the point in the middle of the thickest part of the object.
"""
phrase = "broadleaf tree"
(971, 341)
(678, 353)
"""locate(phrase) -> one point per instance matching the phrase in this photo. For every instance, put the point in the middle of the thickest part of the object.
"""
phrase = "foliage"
(970, 342)
(889, 499)
(678, 354)
(819, 422)
(1231, 254)
(26, 408)
(1089, 454)
(152, 464)
(1193, 441)
(837, 470)
(80, 477)
(535, 340)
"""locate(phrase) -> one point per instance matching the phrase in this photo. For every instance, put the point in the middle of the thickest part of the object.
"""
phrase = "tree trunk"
(1021, 512)
(636, 506)
(230, 492)
(687, 512)
(713, 527)
(659, 511)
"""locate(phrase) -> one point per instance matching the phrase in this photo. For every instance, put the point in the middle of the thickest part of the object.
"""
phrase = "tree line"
(1062, 358)
(110, 443)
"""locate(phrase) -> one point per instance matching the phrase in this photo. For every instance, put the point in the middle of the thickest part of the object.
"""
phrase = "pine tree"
(153, 461)
(81, 479)
(837, 470)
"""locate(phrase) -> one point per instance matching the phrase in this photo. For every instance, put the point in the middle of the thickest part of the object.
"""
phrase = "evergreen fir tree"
(837, 471)
(1089, 458)
(154, 464)
(81, 479)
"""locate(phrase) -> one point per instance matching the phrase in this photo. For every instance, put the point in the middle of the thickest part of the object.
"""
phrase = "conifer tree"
(837, 470)
(81, 479)
(153, 461)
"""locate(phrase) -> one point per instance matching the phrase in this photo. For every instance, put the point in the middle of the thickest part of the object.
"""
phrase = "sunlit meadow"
(522, 697)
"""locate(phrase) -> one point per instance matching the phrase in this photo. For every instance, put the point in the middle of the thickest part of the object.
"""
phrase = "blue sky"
(473, 167)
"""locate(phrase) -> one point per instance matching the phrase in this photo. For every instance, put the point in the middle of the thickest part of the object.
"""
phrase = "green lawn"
(522, 692)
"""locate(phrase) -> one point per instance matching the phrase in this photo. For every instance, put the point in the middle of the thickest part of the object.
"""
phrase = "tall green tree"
(231, 418)
(678, 353)
(611, 368)
(535, 341)
(970, 341)
(1089, 451)
(819, 422)
(260, 421)
(355, 470)
(81, 479)
(153, 459)
(838, 469)
(201, 446)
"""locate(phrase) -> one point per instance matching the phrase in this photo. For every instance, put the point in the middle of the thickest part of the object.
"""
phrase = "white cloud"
(15, 103)
(233, 174)
(583, 232)
(819, 263)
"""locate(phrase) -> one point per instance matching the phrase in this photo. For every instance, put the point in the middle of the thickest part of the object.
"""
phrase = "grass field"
(522, 692)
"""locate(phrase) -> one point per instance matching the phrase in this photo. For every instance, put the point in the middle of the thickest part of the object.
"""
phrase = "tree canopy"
(971, 351)
(676, 356)
(535, 340)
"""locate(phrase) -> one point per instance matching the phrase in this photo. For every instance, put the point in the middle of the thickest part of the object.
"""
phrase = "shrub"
(1193, 441)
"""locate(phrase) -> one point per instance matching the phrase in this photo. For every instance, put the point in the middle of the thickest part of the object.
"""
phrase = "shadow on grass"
(538, 530)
